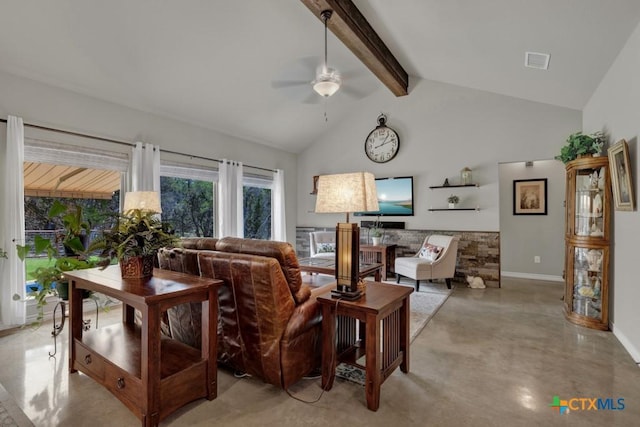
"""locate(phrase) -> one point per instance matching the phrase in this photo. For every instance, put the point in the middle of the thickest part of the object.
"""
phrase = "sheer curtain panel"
(279, 217)
(144, 170)
(230, 199)
(12, 275)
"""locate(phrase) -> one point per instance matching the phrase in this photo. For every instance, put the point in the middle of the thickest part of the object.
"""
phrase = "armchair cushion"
(322, 244)
(323, 248)
(430, 252)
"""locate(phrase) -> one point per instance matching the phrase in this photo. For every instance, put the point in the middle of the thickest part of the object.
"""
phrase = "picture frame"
(620, 172)
(530, 196)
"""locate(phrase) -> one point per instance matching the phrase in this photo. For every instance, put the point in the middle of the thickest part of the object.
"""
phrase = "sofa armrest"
(304, 317)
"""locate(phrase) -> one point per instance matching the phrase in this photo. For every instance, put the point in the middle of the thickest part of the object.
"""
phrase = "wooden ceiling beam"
(353, 29)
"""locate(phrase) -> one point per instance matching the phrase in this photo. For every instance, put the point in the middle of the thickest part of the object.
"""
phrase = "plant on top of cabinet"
(578, 144)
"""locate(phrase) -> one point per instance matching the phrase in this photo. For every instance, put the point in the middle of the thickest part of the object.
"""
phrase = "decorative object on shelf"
(587, 225)
(446, 182)
(578, 144)
(137, 235)
(621, 181)
(375, 231)
(453, 201)
(345, 193)
(3, 254)
(530, 196)
(382, 143)
(465, 176)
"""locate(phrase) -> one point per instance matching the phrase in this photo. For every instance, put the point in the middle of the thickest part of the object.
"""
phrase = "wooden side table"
(384, 254)
(381, 335)
(152, 375)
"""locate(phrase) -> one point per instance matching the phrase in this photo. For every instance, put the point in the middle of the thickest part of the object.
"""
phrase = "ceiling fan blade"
(289, 83)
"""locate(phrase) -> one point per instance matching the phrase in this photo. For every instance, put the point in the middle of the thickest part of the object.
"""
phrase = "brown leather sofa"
(269, 322)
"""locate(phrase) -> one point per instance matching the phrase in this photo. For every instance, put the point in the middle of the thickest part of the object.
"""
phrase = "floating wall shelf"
(454, 186)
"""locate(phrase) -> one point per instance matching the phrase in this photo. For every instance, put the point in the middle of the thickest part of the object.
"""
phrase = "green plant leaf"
(56, 209)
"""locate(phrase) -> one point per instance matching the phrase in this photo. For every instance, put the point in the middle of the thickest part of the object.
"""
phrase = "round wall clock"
(382, 143)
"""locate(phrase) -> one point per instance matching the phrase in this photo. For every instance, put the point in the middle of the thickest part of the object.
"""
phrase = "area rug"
(424, 305)
(10, 413)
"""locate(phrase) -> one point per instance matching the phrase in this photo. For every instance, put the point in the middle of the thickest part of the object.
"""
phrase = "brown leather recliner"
(269, 323)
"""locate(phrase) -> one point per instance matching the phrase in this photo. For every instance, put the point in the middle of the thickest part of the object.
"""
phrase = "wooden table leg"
(404, 334)
(373, 363)
(328, 346)
(210, 342)
(150, 369)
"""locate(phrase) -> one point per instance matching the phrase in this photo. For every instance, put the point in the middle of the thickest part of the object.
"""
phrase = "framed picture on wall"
(530, 196)
(621, 176)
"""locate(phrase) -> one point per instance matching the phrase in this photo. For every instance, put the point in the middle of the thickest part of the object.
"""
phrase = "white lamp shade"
(143, 200)
(347, 192)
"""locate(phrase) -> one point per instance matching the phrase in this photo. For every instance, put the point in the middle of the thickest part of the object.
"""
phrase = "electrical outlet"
(536, 259)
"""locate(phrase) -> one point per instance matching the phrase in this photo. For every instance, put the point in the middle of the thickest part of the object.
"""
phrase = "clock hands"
(383, 142)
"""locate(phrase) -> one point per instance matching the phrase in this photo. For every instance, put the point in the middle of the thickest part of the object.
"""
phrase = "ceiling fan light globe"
(326, 88)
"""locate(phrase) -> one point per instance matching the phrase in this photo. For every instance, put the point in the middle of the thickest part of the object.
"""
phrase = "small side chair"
(425, 267)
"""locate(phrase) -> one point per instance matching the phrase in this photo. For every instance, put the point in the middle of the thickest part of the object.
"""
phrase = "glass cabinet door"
(590, 199)
(588, 282)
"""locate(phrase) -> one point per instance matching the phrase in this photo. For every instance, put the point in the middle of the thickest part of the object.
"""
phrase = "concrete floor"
(492, 357)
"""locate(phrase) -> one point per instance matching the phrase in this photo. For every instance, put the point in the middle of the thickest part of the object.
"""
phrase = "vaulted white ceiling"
(231, 65)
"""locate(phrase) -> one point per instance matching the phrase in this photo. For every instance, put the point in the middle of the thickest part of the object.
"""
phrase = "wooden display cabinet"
(587, 231)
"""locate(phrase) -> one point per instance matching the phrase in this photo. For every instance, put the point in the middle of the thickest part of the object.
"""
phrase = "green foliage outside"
(187, 205)
(257, 213)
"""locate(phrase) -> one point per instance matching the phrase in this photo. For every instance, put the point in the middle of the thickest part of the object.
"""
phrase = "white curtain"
(12, 275)
(230, 200)
(278, 217)
(144, 170)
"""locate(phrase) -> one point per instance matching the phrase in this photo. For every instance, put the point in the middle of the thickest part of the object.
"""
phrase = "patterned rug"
(424, 305)
(10, 413)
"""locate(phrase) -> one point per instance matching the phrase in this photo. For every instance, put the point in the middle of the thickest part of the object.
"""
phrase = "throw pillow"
(324, 248)
(430, 252)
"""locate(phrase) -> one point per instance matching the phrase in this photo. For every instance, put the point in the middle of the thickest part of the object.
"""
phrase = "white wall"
(442, 128)
(58, 108)
(522, 237)
(615, 108)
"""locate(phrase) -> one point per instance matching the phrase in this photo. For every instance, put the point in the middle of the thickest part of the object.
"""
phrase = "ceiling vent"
(536, 60)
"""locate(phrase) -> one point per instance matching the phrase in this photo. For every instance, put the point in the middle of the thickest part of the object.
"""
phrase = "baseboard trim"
(532, 276)
(626, 343)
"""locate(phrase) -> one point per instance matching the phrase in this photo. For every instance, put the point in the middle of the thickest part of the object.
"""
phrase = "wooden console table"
(383, 312)
(152, 375)
(383, 254)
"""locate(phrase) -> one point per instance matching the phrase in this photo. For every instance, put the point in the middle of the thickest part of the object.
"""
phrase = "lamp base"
(346, 295)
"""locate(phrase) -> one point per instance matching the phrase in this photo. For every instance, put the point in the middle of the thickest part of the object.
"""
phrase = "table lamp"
(143, 200)
(345, 193)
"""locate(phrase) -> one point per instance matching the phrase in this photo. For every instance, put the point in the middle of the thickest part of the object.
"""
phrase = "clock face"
(382, 144)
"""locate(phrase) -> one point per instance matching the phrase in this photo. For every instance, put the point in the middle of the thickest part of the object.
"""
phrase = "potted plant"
(3, 254)
(579, 144)
(49, 280)
(134, 241)
(453, 201)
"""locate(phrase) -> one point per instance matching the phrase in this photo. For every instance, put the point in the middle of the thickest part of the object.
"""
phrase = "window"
(187, 195)
(187, 204)
(257, 212)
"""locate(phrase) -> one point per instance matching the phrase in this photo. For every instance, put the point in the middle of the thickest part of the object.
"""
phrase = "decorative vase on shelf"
(452, 205)
(376, 240)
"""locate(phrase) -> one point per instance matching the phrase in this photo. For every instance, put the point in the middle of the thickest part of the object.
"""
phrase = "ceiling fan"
(327, 82)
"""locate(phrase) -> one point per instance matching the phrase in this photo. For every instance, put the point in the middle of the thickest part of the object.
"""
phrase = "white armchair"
(443, 266)
(322, 244)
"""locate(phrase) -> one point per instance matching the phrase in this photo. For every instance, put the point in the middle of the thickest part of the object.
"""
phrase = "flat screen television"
(395, 197)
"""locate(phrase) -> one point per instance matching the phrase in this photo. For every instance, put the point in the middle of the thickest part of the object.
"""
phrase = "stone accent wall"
(478, 251)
